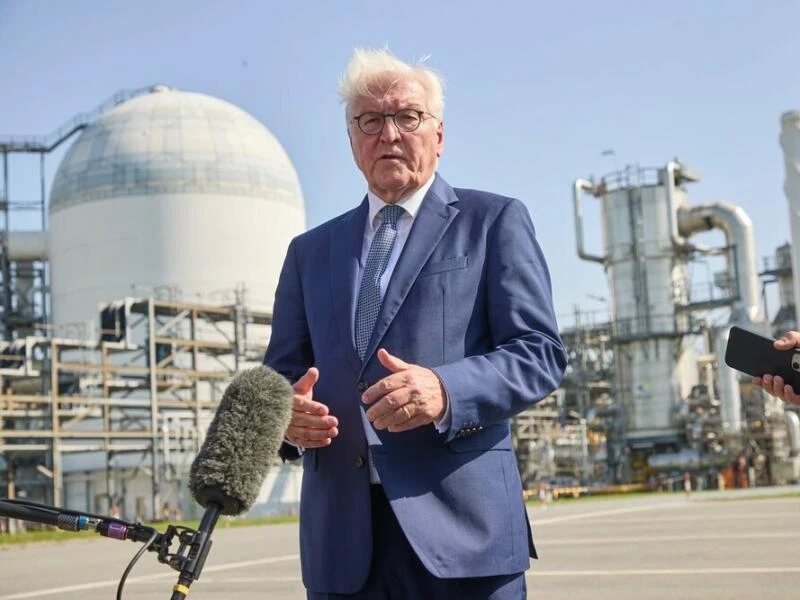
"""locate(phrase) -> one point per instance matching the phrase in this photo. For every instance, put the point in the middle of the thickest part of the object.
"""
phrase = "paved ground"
(714, 546)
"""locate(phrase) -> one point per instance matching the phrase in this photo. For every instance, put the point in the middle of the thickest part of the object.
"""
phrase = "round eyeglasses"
(406, 120)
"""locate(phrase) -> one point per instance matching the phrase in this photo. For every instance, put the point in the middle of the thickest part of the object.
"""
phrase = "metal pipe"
(44, 288)
(26, 245)
(5, 262)
(55, 425)
(671, 171)
(42, 191)
(738, 230)
(790, 144)
(729, 392)
(577, 187)
(154, 408)
(793, 425)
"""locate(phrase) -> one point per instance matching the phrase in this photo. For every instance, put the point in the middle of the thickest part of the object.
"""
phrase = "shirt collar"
(410, 203)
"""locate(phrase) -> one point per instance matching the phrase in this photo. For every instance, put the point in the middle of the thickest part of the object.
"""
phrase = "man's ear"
(440, 142)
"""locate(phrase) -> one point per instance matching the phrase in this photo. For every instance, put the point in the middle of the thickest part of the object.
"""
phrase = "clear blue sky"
(535, 92)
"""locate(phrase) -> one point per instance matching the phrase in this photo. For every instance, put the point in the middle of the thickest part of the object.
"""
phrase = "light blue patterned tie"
(369, 294)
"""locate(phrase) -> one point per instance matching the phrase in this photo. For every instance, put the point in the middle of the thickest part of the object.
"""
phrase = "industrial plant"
(148, 286)
(149, 280)
(648, 399)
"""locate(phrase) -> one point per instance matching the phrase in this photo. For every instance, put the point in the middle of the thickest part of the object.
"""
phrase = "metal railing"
(46, 143)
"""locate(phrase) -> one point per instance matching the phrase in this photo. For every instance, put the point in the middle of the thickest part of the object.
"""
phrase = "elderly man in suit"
(413, 328)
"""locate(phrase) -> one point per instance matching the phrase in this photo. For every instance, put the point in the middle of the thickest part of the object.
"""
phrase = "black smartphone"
(755, 355)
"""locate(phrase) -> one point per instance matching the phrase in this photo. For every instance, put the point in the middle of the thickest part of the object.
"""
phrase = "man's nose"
(390, 132)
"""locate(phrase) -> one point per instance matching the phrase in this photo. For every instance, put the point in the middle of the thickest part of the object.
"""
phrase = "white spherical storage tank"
(170, 189)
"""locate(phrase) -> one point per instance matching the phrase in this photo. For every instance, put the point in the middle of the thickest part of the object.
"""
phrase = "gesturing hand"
(310, 426)
(410, 397)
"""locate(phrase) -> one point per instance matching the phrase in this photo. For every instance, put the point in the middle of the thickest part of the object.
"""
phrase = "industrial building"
(151, 278)
(149, 284)
(648, 397)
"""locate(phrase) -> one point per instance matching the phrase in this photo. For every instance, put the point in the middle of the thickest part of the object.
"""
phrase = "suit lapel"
(345, 252)
(433, 218)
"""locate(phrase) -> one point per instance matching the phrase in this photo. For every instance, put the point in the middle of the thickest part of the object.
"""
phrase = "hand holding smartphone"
(755, 355)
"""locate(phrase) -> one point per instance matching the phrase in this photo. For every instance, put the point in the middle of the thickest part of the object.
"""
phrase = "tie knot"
(391, 214)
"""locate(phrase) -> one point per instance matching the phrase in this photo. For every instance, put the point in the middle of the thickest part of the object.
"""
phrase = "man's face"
(396, 163)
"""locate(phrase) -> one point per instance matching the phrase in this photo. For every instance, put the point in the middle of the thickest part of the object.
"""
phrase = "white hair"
(368, 68)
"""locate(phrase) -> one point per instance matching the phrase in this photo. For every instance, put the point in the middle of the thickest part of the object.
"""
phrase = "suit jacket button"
(363, 386)
(360, 462)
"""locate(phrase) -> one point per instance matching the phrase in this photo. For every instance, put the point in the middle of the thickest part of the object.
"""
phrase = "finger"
(783, 343)
(307, 405)
(790, 339)
(305, 384)
(310, 434)
(302, 419)
(394, 417)
(788, 394)
(312, 441)
(306, 444)
(777, 386)
(417, 421)
(757, 381)
(768, 384)
(303, 435)
(383, 388)
(386, 405)
(393, 363)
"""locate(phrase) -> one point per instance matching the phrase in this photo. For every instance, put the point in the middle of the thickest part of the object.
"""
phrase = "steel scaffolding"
(23, 287)
(149, 386)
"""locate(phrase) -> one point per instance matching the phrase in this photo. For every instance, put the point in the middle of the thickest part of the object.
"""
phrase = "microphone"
(242, 441)
(69, 520)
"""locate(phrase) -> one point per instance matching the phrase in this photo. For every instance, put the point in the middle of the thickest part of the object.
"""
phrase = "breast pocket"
(443, 266)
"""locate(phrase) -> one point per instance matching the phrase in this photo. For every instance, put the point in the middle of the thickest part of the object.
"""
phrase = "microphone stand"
(198, 544)
(189, 559)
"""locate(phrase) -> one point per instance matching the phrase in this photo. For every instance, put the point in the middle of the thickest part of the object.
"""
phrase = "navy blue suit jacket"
(470, 297)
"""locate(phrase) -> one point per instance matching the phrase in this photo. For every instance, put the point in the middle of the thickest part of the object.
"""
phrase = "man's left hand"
(410, 397)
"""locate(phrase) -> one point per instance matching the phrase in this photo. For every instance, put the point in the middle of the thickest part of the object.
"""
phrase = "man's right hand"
(310, 426)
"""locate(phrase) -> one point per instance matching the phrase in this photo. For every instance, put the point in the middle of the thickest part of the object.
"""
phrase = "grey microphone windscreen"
(242, 440)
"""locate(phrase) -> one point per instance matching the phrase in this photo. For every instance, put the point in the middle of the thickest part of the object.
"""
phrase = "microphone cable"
(136, 557)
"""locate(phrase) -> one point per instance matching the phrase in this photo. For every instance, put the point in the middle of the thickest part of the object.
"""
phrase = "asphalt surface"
(742, 544)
